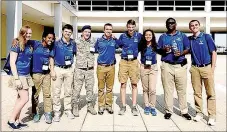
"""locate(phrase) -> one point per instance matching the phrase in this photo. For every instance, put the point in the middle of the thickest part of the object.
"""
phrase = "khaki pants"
(174, 76)
(149, 81)
(65, 77)
(41, 81)
(105, 78)
(205, 75)
(81, 76)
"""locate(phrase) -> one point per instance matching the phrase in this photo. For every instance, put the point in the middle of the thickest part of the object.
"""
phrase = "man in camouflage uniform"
(84, 70)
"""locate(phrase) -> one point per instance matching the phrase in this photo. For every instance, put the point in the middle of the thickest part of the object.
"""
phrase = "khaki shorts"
(129, 69)
(26, 82)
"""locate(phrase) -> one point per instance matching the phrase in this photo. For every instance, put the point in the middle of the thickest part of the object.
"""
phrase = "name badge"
(45, 67)
(136, 40)
(130, 56)
(68, 62)
(92, 49)
(147, 62)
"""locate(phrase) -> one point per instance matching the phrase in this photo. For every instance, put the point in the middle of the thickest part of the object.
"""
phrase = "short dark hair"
(107, 24)
(193, 21)
(45, 34)
(132, 22)
(67, 26)
(171, 19)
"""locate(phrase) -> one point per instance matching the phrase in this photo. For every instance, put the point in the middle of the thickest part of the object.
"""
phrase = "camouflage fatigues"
(84, 70)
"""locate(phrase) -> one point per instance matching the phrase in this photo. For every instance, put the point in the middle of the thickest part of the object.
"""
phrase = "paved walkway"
(107, 122)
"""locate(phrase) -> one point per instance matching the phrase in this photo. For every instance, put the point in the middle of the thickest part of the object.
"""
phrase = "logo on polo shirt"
(178, 39)
(201, 42)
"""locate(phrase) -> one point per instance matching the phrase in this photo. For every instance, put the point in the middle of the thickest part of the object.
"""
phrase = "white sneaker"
(69, 114)
(198, 118)
(211, 122)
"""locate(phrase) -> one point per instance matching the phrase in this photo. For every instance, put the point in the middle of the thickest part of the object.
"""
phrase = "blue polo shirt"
(149, 55)
(41, 56)
(106, 49)
(201, 49)
(62, 52)
(182, 42)
(23, 61)
(129, 44)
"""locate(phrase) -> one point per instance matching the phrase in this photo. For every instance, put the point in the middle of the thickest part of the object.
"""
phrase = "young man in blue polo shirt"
(203, 54)
(106, 46)
(173, 45)
(129, 65)
(61, 61)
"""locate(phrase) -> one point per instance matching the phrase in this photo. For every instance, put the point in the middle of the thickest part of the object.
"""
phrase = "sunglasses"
(171, 22)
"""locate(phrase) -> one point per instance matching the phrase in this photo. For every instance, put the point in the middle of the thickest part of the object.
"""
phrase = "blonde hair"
(21, 38)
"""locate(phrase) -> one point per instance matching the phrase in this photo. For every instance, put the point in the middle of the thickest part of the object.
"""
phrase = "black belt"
(173, 63)
(65, 67)
(203, 65)
(184, 62)
(129, 59)
(106, 65)
(89, 68)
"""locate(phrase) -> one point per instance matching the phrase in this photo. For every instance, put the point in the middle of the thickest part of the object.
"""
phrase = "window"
(217, 8)
(217, 3)
(165, 2)
(116, 3)
(84, 8)
(99, 8)
(84, 2)
(198, 3)
(134, 3)
(182, 8)
(116, 8)
(150, 2)
(150, 8)
(198, 8)
(99, 2)
(131, 8)
(183, 3)
(165, 8)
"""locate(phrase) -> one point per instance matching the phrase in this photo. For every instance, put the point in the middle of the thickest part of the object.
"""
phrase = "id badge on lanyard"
(68, 60)
(45, 66)
(92, 49)
(130, 54)
(148, 60)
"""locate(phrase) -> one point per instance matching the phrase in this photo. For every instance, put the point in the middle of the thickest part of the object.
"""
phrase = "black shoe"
(187, 116)
(13, 125)
(22, 125)
(167, 115)
(109, 110)
(101, 110)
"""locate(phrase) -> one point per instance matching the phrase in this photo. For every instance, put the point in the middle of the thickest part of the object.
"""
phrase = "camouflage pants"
(81, 76)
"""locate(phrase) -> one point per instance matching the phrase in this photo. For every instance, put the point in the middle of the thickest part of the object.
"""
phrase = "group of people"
(34, 64)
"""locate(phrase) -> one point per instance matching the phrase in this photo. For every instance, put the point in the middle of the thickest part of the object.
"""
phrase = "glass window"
(183, 3)
(198, 3)
(150, 8)
(116, 8)
(84, 2)
(131, 3)
(84, 8)
(150, 3)
(217, 3)
(165, 8)
(217, 8)
(198, 8)
(116, 2)
(131, 8)
(182, 8)
(165, 2)
(99, 8)
(99, 2)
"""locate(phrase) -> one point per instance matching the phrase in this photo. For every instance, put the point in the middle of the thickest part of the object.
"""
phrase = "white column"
(207, 19)
(74, 22)
(13, 21)
(141, 9)
(58, 19)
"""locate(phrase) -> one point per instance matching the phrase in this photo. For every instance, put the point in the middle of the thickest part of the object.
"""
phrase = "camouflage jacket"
(84, 58)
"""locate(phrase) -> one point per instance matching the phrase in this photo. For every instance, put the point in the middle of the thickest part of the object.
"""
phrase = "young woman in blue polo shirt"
(148, 70)
(20, 61)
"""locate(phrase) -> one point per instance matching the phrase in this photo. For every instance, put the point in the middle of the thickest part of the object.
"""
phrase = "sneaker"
(147, 110)
(167, 115)
(134, 111)
(187, 116)
(36, 118)
(56, 118)
(69, 114)
(153, 112)
(197, 118)
(109, 110)
(48, 117)
(211, 122)
(122, 110)
(22, 125)
(13, 125)
(101, 110)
